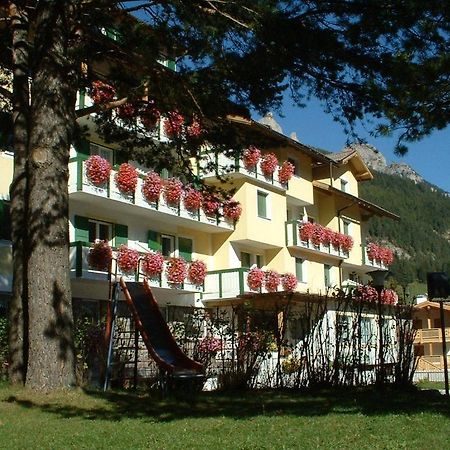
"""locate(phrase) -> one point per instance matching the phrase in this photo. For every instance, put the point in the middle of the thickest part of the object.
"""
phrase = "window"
(104, 152)
(327, 275)
(245, 259)
(248, 259)
(99, 230)
(167, 245)
(300, 270)
(296, 165)
(346, 227)
(262, 204)
(344, 185)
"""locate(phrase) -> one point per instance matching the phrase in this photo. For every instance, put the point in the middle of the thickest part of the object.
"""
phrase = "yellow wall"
(6, 174)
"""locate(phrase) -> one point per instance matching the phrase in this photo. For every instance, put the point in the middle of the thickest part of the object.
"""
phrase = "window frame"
(263, 194)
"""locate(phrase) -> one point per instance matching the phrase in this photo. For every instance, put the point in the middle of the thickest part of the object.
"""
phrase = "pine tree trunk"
(51, 352)
(18, 192)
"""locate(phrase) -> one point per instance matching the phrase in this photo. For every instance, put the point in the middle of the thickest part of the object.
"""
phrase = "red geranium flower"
(255, 278)
(127, 258)
(176, 270)
(192, 199)
(100, 255)
(173, 189)
(152, 264)
(285, 172)
(98, 170)
(272, 280)
(232, 209)
(289, 282)
(269, 163)
(173, 125)
(152, 187)
(251, 157)
(197, 272)
(102, 92)
(126, 178)
(210, 206)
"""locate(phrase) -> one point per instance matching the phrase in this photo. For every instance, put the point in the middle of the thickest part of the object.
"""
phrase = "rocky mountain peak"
(375, 160)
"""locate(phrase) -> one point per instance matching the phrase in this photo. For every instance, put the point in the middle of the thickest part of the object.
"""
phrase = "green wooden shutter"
(245, 259)
(154, 240)
(81, 229)
(171, 64)
(185, 248)
(120, 234)
(83, 148)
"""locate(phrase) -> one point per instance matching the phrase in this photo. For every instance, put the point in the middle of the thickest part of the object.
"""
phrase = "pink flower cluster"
(210, 206)
(127, 258)
(197, 272)
(318, 234)
(194, 130)
(176, 270)
(126, 178)
(98, 170)
(255, 278)
(102, 92)
(378, 253)
(126, 111)
(152, 264)
(285, 172)
(173, 189)
(173, 125)
(149, 115)
(100, 255)
(369, 294)
(269, 163)
(289, 282)
(232, 209)
(210, 344)
(192, 199)
(270, 279)
(251, 157)
(152, 187)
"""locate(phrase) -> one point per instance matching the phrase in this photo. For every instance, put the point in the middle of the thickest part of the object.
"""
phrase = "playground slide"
(155, 332)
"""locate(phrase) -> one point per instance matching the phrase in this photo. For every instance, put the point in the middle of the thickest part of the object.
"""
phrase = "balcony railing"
(227, 283)
(293, 240)
(226, 165)
(79, 268)
(371, 262)
(430, 335)
(79, 182)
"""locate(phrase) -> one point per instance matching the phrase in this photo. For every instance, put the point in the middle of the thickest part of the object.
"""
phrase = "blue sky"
(430, 157)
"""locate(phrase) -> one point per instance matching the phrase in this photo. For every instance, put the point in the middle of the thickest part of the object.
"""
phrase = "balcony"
(110, 198)
(229, 166)
(431, 335)
(80, 269)
(431, 363)
(226, 284)
(293, 240)
(371, 264)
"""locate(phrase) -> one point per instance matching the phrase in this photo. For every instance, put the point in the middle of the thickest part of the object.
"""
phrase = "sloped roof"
(431, 305)
(363, 204)
(281, 138)
(352, 156)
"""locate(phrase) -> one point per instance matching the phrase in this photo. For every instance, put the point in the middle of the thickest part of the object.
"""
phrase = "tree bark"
(51, 352)
(18, 194)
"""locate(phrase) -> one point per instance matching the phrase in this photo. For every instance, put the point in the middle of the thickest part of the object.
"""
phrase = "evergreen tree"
(387, 59)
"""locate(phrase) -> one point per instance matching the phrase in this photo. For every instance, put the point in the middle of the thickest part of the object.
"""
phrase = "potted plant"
(152, 264)
(100, 255)
(98, 170)
(127, 259)
(197, 272)
(152, 187)
(126, 178)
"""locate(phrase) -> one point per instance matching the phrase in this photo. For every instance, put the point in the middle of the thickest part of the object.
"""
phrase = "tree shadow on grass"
(118, 405)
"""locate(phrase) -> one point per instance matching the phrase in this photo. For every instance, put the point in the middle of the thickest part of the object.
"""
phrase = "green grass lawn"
(359, 419)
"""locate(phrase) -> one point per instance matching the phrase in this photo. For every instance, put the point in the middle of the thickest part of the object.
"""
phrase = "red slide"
(155, 332)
